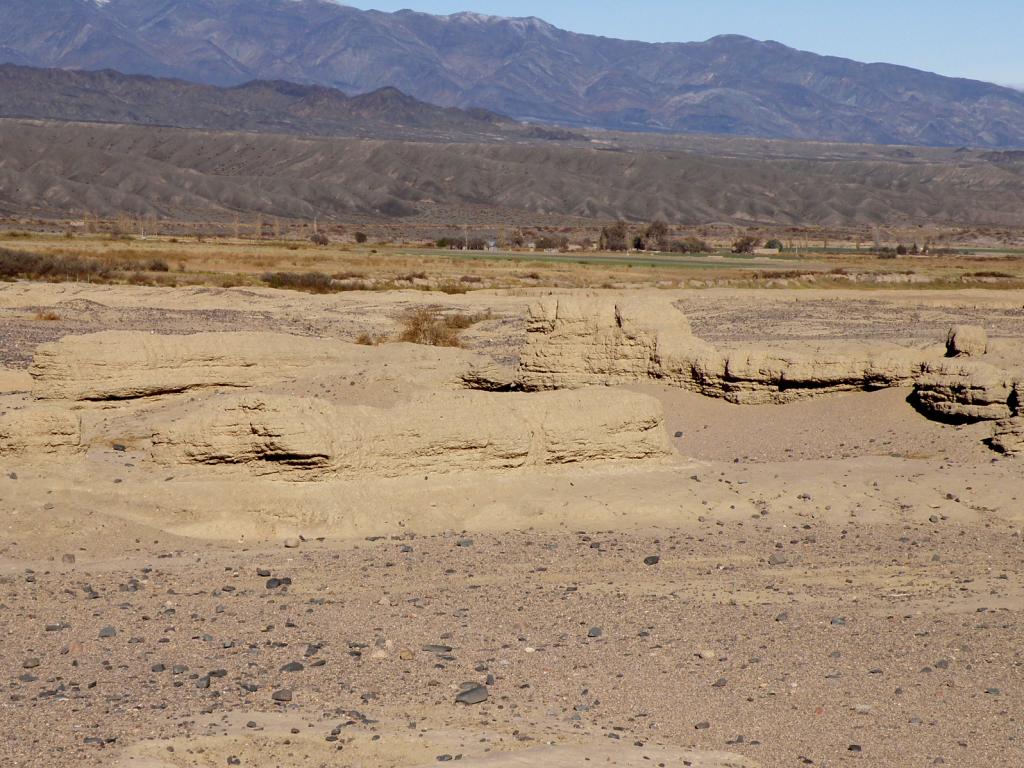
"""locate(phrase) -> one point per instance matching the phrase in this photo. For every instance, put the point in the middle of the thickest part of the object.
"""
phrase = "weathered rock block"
(438, 433)
(40, 429)
(121, 365)
(1008, 436)
(575, 342)
(582, 342)
(966, 341)
(964, 390)
(127, 365)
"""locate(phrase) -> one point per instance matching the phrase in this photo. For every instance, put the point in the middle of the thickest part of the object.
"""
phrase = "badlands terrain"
(676, 527)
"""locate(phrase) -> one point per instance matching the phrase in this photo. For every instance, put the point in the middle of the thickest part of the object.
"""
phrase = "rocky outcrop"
(1008, 436)
(128, 365)
(581, 342)
(575, 342)
(40, 429)
(966, 341)
(965, 390)
(439, 433)
(751, 377)
(121, 365)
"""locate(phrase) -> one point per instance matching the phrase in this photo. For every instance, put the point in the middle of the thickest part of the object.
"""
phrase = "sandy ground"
(837, 581)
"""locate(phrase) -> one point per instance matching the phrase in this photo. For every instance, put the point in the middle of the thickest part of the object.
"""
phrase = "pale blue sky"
(983, 39)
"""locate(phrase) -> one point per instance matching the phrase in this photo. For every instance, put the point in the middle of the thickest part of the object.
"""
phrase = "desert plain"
(627, 525)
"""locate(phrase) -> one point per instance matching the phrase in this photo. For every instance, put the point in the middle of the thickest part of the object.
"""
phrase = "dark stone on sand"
(474, 695)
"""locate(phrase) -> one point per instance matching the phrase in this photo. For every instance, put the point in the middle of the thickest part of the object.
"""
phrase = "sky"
(981, 39)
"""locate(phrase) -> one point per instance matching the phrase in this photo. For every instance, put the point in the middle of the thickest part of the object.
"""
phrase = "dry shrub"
(452, 288)
(166, 281)
(310, 282)
(462, 321)
(318, 282)
(48, 316)
(37, 266)
(359, 285)
(428, 325)
(371, 339)
(58, 267)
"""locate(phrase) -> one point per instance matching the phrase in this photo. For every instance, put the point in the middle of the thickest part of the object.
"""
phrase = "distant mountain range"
(262, 106)
(524, 68)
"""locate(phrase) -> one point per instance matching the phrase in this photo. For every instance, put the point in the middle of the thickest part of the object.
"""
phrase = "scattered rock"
(472, 695)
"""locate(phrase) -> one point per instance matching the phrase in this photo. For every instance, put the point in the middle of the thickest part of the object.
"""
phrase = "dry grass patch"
(430, 326)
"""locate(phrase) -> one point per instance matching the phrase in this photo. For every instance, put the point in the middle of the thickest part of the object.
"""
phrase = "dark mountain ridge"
(524, 68)
(106, 96)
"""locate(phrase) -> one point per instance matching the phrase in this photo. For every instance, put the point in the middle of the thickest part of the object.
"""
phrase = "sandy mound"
(178, 401)
(123, 365)
(439, 433)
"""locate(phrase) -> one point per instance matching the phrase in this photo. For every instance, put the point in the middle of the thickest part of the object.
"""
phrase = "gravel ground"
(820, 645)
(775, 319)
(837, 582)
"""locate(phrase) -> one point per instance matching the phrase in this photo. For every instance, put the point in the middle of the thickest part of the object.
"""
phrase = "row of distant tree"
(321, 238)
(517, 239)
(652, 237)
(621, 236)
